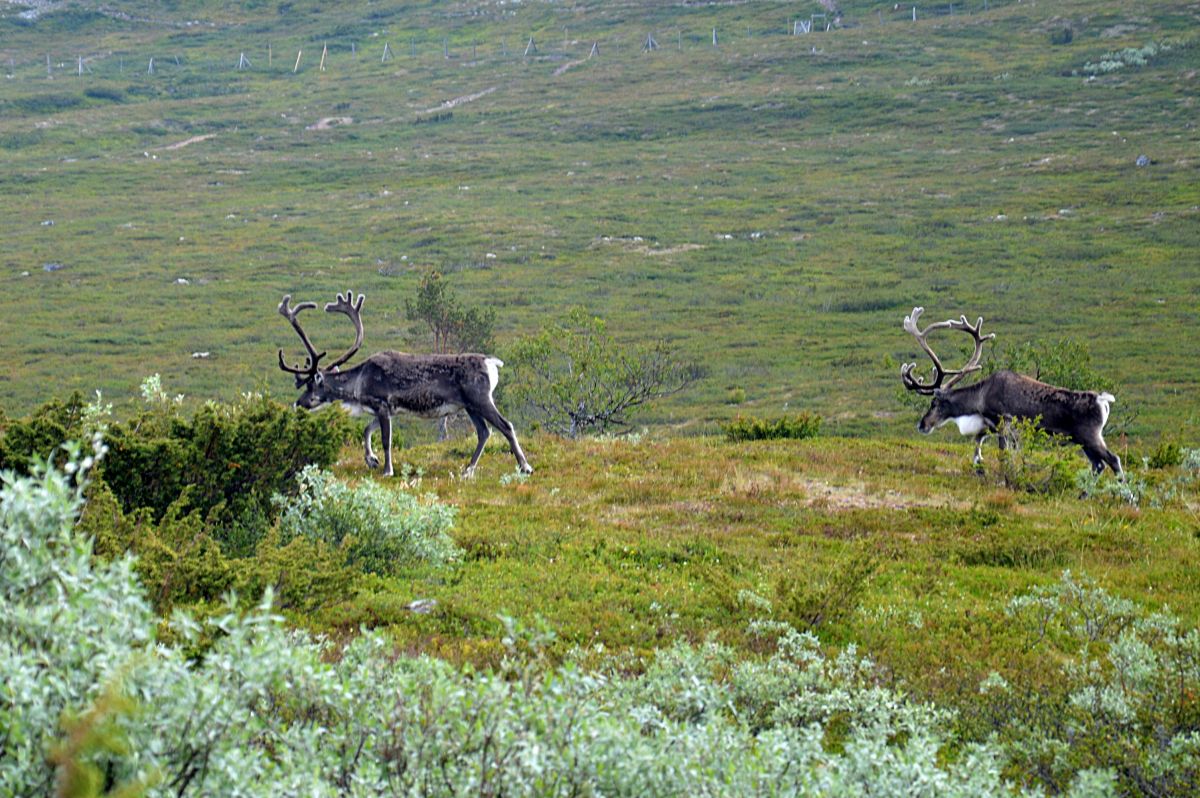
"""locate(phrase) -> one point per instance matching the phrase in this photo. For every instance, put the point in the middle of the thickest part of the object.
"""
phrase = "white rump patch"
(493, 365)
(1104, 400)
(969, 425)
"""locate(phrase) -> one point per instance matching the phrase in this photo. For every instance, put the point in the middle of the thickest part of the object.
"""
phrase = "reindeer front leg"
(990, 427)
(384, 420)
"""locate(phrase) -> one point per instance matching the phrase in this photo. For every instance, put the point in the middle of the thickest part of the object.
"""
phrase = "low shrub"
(225, 462)
(830, 599)
(95, 694)
(26, 441)
(1123, 699)
(1036, 461)
(750, 428)
(265, 711)
(231, 458)
(376, 529)
(1167, 454)
(1062, 36)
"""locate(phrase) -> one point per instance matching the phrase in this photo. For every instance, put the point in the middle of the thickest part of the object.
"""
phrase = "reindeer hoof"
(372, 462)
(526, 468)
(468, 472)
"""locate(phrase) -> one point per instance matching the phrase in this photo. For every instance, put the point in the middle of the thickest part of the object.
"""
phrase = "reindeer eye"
(319, 379)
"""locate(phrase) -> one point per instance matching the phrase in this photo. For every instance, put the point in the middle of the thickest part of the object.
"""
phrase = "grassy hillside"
(889, 543)
(773, 205)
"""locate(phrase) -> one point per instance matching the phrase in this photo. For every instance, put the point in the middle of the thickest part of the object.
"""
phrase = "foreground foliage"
(94, 702)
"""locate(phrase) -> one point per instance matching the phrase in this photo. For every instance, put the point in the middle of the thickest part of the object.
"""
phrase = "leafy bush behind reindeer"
(577, 379)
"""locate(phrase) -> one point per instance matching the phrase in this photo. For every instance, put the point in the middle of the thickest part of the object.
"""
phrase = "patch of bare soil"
(858, 497)
(330, 121)
(179, 145)
(568, 65)
(457, 101)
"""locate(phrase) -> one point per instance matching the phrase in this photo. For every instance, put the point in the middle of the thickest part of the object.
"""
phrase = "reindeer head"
(310, 376)
(942, 407)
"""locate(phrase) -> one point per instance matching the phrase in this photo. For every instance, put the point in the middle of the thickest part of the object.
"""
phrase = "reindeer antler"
(352, 308)
(910, 326)
(291, 315)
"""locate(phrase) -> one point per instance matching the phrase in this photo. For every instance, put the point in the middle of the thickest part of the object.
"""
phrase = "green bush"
(1066, 363)
(1167, 454)
(177, 559)
(829, 599)
(577, 379)
(231, 458)
(225, 462)
(1036, 461)
(749, 428)
(1062, 36)
(376, 528)
(28, 440)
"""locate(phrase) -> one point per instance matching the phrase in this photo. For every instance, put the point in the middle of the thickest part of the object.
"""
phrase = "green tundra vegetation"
(773, 585)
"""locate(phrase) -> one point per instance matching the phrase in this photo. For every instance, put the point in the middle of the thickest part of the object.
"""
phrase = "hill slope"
(773, 205)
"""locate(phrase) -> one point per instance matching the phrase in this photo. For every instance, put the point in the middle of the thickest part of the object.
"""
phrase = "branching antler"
(913, 383)
(291, 314)
(352, 308)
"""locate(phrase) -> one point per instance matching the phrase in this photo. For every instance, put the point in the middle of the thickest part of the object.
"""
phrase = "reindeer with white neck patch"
(983, 408)
(388, 383)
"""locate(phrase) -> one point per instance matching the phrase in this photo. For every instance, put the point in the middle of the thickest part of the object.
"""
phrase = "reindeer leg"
(385, 433)
(481, 429)
(1099, 456)
(990, 428)
(1114, 462)
(501, 423)
(372, 460)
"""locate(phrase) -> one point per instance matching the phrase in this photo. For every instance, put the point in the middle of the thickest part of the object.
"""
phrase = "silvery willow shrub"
(1124, 698)
(378, 528)
(93, 701)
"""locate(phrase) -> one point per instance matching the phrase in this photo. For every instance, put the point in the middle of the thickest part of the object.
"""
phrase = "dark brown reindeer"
(388, 383)
(985, 407)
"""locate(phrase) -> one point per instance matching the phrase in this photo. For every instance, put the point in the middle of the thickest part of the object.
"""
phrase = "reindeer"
(387, 383)
(983, 408)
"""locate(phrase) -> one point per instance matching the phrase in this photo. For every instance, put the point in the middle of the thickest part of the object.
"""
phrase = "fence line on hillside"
(333, 52)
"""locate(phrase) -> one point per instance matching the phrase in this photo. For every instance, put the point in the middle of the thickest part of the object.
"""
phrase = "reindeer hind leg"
(368, 454)
(1099, 456)
(482, 431)
(493, 417)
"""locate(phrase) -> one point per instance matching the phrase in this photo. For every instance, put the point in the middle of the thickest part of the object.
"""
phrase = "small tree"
(437, 310)
(1066, 363)
(454, 328)
(579, 380)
